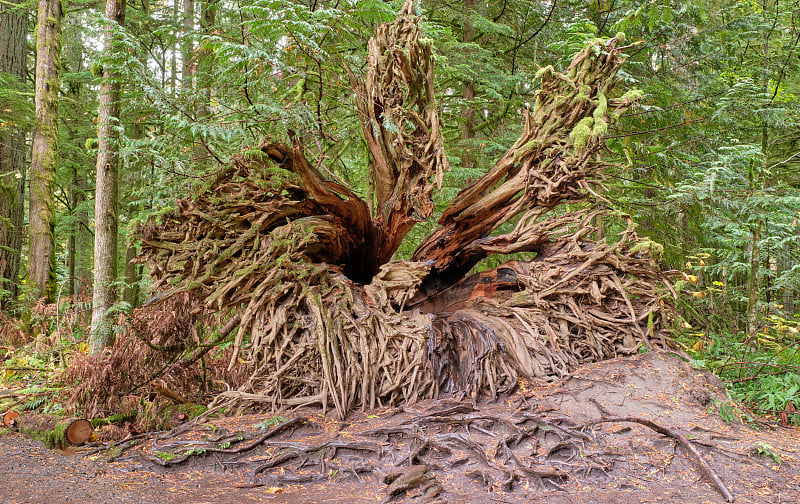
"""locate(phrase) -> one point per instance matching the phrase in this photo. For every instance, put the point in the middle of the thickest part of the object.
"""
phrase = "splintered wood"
(300, 270)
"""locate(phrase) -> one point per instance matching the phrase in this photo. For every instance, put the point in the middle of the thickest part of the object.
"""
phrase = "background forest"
(708, 164)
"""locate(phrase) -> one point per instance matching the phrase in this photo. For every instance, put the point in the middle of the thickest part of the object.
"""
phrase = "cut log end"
(10, 418)
(79, 431)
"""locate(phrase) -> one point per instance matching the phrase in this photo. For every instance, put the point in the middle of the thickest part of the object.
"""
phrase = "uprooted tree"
(298, 270)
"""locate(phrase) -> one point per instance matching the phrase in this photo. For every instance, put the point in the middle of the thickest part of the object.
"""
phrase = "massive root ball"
(302, 270)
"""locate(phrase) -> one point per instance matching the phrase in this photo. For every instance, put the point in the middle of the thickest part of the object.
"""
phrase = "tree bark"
(203, 72)
(105, 212)
(133, 277)
(83, 237)
(187, 49)
(13, 54)
(208, 20)
(173, 62)
(549, 164)
(44, 154)
(78, 246)
(753, 291)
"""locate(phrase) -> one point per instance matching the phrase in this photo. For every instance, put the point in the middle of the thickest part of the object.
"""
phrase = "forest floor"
(541, 445)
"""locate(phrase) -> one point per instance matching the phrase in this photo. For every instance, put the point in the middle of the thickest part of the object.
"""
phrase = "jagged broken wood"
(324, 317)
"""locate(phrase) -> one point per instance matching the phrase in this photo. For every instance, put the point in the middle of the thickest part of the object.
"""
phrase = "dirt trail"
(534, 446)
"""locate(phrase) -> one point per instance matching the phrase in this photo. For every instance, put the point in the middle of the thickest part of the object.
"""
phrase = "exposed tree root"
(299, 268)
(420, 453)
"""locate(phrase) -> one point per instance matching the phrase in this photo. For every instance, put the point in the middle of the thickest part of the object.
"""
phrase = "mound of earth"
(589, 438)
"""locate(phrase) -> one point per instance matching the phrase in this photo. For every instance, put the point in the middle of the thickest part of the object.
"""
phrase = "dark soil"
(538, 445)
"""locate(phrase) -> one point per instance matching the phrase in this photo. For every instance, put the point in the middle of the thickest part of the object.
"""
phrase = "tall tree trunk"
(208, 20)
(753, 318)
(83, 238)
(468, 92)
(73, 63)
(79, 245)
(173, 63)
(188, 45)
(133, 277)
(756, 185)
(203, 71)
(71, 240)
(44, 154)
(105, 211)
(13, 49)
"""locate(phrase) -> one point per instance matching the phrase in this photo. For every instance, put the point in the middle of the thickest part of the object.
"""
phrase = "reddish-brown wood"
(10, 418)
(79, 431)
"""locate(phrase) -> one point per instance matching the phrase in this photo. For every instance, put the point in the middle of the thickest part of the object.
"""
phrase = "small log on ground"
(55, 432)
(10, 418)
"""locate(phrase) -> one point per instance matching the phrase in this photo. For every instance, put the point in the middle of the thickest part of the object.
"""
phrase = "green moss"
(121, 417)
(162, 216)
(271, 422)
(165, 456)
(296, 92)
(543, 72)
(581, 133)
(649, 247)
(602, 107)
(114, 451)
(192, 410)
(256, 154)
(526, 149)
(633, 95)
(584, 93)
(54, 438)
(600, 128)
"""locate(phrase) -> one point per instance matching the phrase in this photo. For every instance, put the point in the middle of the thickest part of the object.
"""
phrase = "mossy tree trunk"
(54, 432)
(13, 56)
(105, 212)
(44, 154)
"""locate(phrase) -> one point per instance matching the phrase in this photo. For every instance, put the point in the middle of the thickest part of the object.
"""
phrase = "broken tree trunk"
(325, 317)
(400, 121)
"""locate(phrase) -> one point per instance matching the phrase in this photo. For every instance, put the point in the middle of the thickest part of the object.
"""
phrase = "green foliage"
(271, 422)
(166, 456)
(762, 449)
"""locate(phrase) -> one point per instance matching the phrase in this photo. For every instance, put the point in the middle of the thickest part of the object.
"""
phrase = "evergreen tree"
(44, 155)
(13, 111)
(107, 186)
